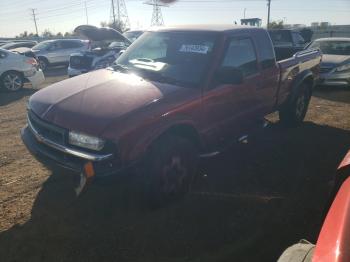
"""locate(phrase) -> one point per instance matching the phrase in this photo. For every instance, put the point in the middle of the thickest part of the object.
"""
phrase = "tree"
(59, 34)
(276, 25)
(47, 33)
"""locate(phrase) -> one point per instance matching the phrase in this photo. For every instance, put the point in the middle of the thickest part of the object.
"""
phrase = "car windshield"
(42, 45)
(332, 47)
(132, 35)
(174, 57)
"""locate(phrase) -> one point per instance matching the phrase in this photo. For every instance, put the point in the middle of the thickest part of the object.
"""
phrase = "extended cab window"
(241, 54)
(297, 38)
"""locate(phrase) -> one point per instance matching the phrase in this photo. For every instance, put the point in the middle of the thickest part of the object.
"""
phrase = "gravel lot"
(248, 204)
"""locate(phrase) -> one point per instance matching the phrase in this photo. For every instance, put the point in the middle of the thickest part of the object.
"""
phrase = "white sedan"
(17, 69)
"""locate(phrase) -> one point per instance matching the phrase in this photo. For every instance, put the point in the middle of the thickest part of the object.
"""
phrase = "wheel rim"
(42, 65)
(300, 106)
(12, 82)
(174, 176)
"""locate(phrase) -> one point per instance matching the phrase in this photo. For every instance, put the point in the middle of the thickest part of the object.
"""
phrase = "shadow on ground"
(7, 97)
(337, 94)
(248, 204)
(56, 71)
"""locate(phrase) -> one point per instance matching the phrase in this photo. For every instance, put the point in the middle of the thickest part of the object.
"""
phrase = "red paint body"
(333, 244)
(132, 112)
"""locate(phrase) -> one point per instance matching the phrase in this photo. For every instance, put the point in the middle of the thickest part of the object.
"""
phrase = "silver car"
(335, 65)
(57, 52)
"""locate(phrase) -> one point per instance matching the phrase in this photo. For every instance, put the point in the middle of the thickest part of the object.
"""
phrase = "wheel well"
(185, 131)
(44, 59)
(309, 81)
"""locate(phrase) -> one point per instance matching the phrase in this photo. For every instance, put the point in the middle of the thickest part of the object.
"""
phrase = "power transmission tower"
(268, 13)
(34, 19)
(157, 17)
(121, 16)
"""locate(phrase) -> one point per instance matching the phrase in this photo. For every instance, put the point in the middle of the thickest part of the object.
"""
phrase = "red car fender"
(333, 244)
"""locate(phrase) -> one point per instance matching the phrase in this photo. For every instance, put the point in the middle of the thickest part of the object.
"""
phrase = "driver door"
(231, 110)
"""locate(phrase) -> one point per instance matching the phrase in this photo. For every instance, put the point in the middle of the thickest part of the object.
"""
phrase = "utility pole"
(113, 13)
(157, 17)
(120, 18)
(268, 13)
(245, 9)
(34, 19)
(86, 13)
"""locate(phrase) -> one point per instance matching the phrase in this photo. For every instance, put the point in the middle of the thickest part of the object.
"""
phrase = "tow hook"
(86, 176)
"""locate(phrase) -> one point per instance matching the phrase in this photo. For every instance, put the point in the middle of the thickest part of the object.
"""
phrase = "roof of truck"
(333, 39)
(204, 28)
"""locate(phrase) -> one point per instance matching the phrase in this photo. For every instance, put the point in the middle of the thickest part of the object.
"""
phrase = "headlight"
(85, 141)
(343, 68)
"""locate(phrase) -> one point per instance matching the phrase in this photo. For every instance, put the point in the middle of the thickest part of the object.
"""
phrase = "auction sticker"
(200, 49)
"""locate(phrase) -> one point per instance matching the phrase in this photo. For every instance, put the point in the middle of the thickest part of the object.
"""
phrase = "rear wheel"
(43, 63)
(12, 81)
(171, 169)
(294, 112)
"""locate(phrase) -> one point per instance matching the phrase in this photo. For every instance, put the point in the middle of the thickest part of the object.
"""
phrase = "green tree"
(47, 33)
(118, 25)
(276, 25)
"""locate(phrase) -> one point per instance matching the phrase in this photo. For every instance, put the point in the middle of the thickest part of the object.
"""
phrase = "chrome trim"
(67, 150)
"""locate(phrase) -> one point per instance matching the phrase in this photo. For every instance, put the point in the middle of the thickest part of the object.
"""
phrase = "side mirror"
(229, 75)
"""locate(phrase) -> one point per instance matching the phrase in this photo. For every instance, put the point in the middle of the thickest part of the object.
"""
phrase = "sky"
(64, 15)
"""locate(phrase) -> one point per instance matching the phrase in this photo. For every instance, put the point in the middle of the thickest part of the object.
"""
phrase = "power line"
(34, 18)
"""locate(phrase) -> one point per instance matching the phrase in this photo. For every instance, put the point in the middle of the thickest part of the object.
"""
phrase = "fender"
(152, 134)
(301, 77)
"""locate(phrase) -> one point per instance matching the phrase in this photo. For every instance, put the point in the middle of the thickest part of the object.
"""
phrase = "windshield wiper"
(120, 68)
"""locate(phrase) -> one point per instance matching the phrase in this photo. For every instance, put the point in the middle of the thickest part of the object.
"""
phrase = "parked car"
(333, 241)
(335, 66)
(132, 35)
(13, 45)
(106, 43)
(175, 94)
(286, 42)
(25, 51)
(16, 69)
(57, 52)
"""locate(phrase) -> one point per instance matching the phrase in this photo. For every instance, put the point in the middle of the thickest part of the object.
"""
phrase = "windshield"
(170, 56)
(332, 47)
(42, 45)
(132, 35)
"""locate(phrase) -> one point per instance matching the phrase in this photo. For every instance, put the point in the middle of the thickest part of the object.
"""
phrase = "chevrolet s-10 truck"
(176, 94)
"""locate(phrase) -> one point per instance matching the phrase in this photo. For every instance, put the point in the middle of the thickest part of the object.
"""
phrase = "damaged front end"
(105, 47)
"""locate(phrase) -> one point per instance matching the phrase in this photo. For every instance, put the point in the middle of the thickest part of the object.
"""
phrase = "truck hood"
(91, 102)
(94, 33)
(334, 60)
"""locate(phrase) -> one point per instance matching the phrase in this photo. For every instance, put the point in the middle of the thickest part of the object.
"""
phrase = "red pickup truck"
(176, 94)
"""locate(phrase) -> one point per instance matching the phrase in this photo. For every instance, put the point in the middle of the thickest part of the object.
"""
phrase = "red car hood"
(90, 102)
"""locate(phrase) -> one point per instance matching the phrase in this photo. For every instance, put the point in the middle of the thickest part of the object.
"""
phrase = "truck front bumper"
(65, 161)
(75, 72)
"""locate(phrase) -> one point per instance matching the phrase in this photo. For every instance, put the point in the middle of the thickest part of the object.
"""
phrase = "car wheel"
(12, 81)
(171, 168)
(294, 112)
(43, 64)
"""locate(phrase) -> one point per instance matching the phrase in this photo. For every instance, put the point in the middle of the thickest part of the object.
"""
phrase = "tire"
(293, 113)
(171, 168)
(43, 63)
(12, 81)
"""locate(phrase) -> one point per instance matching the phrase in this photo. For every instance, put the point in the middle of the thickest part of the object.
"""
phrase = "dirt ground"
(248, 204)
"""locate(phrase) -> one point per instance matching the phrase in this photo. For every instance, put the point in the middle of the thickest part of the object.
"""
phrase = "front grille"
(325, 69)
(48, 131)
(80, 62)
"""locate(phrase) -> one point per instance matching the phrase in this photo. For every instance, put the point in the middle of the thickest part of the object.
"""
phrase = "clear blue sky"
(64, 15)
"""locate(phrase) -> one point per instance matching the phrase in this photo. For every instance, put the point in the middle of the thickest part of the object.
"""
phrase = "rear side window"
(281, 38)
(241, 54)
(71, 44)
(297, 38)
(266, 50)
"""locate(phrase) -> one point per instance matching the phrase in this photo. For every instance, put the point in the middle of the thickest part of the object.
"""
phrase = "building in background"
(251, 22)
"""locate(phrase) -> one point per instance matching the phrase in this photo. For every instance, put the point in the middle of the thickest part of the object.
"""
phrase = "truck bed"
(293, 66)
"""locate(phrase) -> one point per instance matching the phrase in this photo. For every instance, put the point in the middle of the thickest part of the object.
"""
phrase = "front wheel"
(171, 168)
(12, 81)
(294, 112)
(43, 64)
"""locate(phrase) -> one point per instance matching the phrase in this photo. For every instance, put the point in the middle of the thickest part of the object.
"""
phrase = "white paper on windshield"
(199, 49)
